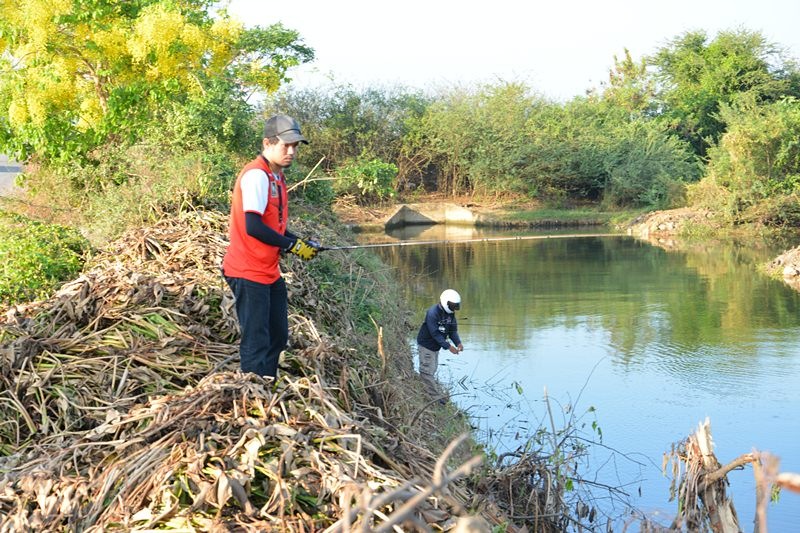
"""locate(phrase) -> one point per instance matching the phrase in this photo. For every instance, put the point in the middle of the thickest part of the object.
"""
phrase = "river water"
(633, 345)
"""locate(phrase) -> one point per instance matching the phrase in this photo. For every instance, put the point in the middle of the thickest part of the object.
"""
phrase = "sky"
(558, 48)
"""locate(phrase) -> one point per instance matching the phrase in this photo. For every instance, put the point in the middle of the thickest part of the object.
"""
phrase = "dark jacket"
(438, 326)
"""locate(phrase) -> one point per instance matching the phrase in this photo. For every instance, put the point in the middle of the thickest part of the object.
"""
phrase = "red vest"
(246, 256)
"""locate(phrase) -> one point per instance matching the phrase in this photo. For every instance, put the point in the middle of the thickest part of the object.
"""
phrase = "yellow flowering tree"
(78, 73)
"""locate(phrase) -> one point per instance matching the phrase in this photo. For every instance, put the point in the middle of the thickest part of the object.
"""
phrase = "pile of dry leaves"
(122, 406)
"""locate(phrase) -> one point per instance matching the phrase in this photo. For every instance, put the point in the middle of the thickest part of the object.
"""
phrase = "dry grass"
(122, 406)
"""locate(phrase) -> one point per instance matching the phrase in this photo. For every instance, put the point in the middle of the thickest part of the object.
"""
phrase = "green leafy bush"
(36, 257)
(344, 123)
(130, 185)
(314, 190)
(755, 164)
(368, 179)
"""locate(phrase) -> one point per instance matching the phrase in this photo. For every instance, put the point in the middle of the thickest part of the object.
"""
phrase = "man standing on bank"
(258, 234)
(439, 326)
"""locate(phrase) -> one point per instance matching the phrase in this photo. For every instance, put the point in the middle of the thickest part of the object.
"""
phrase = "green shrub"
(756, 163)
(368, 179)
(344, 123)
(645, 166)
(314, 190)
(36, 257)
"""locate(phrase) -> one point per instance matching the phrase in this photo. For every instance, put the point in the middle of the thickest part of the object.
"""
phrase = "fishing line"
(460, 241)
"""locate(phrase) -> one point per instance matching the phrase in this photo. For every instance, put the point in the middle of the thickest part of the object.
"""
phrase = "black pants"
(264, 324)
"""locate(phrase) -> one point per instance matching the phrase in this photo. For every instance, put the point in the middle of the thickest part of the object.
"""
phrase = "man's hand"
(453, 349)
(304, 251)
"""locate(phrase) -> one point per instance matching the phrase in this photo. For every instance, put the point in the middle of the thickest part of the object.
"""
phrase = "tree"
(348, 123)
(79, 73)
(754, 171)
(696, 77)
(630, 88)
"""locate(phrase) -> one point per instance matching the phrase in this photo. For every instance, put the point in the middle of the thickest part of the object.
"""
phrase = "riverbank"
(663, 228)
(133, 366)
(490, 212)
(140, 349)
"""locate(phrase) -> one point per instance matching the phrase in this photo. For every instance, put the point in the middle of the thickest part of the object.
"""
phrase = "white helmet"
(450, 300)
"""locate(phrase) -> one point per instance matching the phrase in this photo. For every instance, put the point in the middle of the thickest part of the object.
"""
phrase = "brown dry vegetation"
(122, 407)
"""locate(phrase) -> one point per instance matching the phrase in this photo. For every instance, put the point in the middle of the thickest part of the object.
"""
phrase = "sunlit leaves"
(72, 63)
(697, 76)
(756, 163)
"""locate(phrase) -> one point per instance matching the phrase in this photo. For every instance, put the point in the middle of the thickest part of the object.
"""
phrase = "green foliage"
(369, 180)
(501, 139)
(355, 294)
(115, 124)
(344, 124)
(81, 75)
(646, 167)
(630, 89)
(586, 150)
(498, 123)
(36, 257)
(317, 191)
(217, 119)
(476, 140)
(754, 171)
(128, 185)
(696, 77)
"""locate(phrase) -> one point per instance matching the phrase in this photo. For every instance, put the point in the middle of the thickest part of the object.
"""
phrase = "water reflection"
(655, 339)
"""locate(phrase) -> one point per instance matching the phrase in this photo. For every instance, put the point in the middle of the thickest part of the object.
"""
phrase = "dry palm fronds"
(134, 324)
(234, 449)
(119, 408)
(699, 483)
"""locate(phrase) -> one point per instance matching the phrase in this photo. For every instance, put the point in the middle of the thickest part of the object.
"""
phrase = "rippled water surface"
(642, 342)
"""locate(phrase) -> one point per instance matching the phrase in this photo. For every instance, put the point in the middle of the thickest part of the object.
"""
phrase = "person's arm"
(256, 228)
(454, 336)
(255, 199)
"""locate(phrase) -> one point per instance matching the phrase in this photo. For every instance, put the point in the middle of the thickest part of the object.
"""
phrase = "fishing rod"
(473, 324)
(465, 321)
(460, 241)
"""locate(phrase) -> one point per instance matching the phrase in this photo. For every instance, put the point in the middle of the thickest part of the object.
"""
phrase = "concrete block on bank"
(438, 213)
(9, 169)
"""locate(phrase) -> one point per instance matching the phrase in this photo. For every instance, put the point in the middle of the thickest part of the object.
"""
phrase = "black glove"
(303, 250)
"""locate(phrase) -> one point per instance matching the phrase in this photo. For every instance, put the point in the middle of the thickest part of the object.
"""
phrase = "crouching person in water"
(439, 326)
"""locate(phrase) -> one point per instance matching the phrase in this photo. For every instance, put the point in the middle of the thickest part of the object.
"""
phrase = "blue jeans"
(263, 320)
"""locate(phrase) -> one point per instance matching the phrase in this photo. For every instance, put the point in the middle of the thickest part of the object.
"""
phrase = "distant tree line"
(708, 121)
